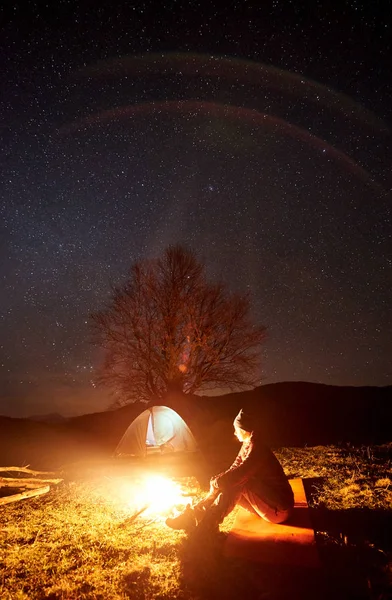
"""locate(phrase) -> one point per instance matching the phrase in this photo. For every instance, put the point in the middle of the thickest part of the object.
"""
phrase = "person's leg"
(223, 504)
(211, 511)
(209, 499)
(254, 503)
(191, 516)
(244, 503)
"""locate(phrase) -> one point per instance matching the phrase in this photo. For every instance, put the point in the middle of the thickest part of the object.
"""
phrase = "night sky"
(259, 137)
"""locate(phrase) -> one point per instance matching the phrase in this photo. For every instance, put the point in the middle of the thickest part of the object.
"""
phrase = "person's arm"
(237, 462)
(240, 471)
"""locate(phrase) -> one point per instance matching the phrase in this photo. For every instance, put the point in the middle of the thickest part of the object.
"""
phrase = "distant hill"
(288, 414)
(301, 413)
(49, 418)
(24, 442)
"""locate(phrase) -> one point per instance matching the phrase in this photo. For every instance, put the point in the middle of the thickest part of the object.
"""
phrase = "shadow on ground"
(355, 546)
(207, 573)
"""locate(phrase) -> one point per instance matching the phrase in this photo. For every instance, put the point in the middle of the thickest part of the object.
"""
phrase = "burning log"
(153, 497)
(133, 517)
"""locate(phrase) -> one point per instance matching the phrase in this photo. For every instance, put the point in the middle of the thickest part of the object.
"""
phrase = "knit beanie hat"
(245, 421)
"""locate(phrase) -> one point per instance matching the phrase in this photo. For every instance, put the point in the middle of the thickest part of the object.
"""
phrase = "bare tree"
(168, 328)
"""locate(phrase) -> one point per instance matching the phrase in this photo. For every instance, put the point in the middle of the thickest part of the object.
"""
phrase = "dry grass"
(351, 477)
(77, 541)
(74, 544)
(350, 494)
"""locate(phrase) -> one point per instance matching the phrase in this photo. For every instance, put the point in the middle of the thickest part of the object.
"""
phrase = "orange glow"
(158, 494)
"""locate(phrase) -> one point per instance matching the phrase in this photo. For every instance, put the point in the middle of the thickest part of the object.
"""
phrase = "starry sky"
(259, 135)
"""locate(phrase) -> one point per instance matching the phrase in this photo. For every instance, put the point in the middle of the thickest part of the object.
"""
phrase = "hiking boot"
(186, 520)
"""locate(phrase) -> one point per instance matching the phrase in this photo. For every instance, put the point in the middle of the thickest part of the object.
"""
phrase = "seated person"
(255, 481)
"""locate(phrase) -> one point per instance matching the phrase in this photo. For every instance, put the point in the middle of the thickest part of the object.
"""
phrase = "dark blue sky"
(259, 137)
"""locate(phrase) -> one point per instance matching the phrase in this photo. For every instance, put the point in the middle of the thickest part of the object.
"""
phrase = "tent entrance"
(160, 432)
(157, 429)
(150, 437)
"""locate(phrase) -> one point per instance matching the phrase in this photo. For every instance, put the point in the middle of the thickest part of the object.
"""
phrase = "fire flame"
(157, 495)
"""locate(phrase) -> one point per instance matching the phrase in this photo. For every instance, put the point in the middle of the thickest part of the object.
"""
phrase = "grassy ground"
(79, 541)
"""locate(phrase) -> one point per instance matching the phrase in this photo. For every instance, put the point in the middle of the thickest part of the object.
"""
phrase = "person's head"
(243, 426)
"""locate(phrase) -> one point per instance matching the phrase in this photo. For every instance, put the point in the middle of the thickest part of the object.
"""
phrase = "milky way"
(273, 168)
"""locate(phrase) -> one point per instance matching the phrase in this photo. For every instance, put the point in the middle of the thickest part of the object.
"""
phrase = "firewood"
(26, 470)
(24, 495)
(133, 517)
(19, 483)
(4, 481)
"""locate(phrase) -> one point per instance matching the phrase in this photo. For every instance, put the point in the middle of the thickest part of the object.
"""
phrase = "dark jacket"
(257, 468)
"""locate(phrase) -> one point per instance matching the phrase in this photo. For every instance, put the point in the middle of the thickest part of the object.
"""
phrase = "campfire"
(159, 495)
(156, 496)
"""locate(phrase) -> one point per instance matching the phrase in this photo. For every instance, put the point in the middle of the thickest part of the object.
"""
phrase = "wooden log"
(24, 495)
(26, 470)
(26, 481)
(21, 484)
(133, 517)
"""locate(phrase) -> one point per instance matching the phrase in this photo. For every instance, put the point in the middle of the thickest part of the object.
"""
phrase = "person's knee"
(277, 516)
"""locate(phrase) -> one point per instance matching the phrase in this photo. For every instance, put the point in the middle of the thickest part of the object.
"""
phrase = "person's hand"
(214, 483)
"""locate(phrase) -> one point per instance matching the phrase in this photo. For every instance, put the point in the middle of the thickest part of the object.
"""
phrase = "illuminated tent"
(158, 428)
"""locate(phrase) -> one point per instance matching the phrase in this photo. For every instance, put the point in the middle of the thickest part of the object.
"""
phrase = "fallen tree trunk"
(23, 495)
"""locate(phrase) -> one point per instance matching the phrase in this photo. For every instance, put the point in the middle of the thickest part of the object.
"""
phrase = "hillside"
(301, 413)
(289, 414)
